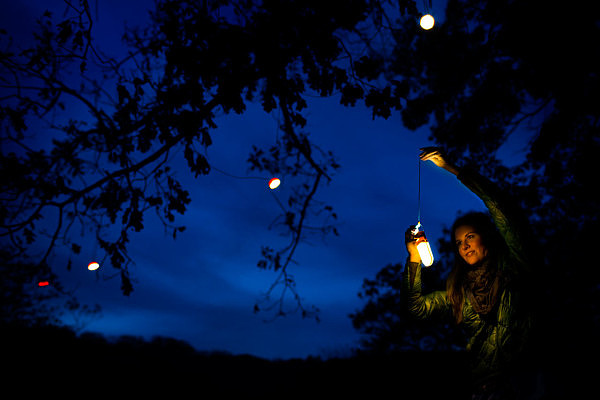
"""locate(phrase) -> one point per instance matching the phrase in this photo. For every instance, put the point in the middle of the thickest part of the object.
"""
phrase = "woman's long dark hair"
(491, 239)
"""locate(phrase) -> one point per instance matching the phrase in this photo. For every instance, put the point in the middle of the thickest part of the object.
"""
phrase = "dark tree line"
(55, 358)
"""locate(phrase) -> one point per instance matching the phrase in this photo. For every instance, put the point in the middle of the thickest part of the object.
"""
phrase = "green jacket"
(497, 342)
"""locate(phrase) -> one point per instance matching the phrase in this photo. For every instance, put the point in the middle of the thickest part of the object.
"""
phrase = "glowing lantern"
(43, 283)
(423, 246)
(274, 183)
(427, 21)
(93, 266)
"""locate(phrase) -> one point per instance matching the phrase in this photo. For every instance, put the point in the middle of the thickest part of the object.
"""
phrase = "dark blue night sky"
(201, 287)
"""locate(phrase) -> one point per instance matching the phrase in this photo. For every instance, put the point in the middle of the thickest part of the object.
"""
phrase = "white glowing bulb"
(425, 253)
(427, 21)
(423, 246)
(274, 183)
(93, 266)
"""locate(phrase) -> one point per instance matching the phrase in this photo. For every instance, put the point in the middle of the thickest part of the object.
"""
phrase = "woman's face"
(469, 244)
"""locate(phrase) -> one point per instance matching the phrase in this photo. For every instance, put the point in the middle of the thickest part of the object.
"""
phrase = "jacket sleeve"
(508, 218)
(422, 306)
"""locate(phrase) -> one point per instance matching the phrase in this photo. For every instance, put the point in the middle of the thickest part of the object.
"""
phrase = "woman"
(487, 290)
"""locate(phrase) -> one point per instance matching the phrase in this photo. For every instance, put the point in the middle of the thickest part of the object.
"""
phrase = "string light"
(274, 183)
(427, 21)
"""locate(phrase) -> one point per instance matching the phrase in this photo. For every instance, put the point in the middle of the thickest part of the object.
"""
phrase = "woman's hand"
(435, 155)
(411, 245)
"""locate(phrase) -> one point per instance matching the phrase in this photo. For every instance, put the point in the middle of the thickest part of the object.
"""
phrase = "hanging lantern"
(274, 183)
(427, 21)
(423, 246)
(93, 266)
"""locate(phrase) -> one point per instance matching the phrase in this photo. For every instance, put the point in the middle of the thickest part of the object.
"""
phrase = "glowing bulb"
(425, 253)
(423, 246)
(93, 266)
(274, 183)
(427, 21)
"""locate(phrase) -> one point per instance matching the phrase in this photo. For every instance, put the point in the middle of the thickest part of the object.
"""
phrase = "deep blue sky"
(201, 287)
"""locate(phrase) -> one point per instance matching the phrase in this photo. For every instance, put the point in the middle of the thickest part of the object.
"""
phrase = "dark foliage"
(386, 324)
(50, 359)
(525, 71)
(103, 171)
(32, 296)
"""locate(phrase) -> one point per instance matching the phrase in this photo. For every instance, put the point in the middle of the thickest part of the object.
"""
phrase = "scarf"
(482, 286)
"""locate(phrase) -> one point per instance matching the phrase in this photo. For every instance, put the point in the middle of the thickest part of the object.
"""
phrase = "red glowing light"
(43, 283)
(274, 183)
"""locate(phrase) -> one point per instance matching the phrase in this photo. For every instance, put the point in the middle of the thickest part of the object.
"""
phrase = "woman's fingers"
(436, 156)
(408, 235)
(428, 152)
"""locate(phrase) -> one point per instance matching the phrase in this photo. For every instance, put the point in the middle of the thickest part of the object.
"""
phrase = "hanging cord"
(427, 5)
(419, 195)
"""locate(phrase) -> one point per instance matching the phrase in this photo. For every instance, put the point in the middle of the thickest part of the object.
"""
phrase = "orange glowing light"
(274, 183)
(423, 246)
(93, 266)
(43, 283)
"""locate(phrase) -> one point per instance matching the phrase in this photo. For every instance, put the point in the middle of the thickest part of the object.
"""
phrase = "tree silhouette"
(387, 326)
(20, 302)
(494, 73)
(484, 76)
(88, 139)
(31, 296)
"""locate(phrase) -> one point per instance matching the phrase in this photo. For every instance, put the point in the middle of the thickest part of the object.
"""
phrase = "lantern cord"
(235, 176)
(419, 194)
(427, 4)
